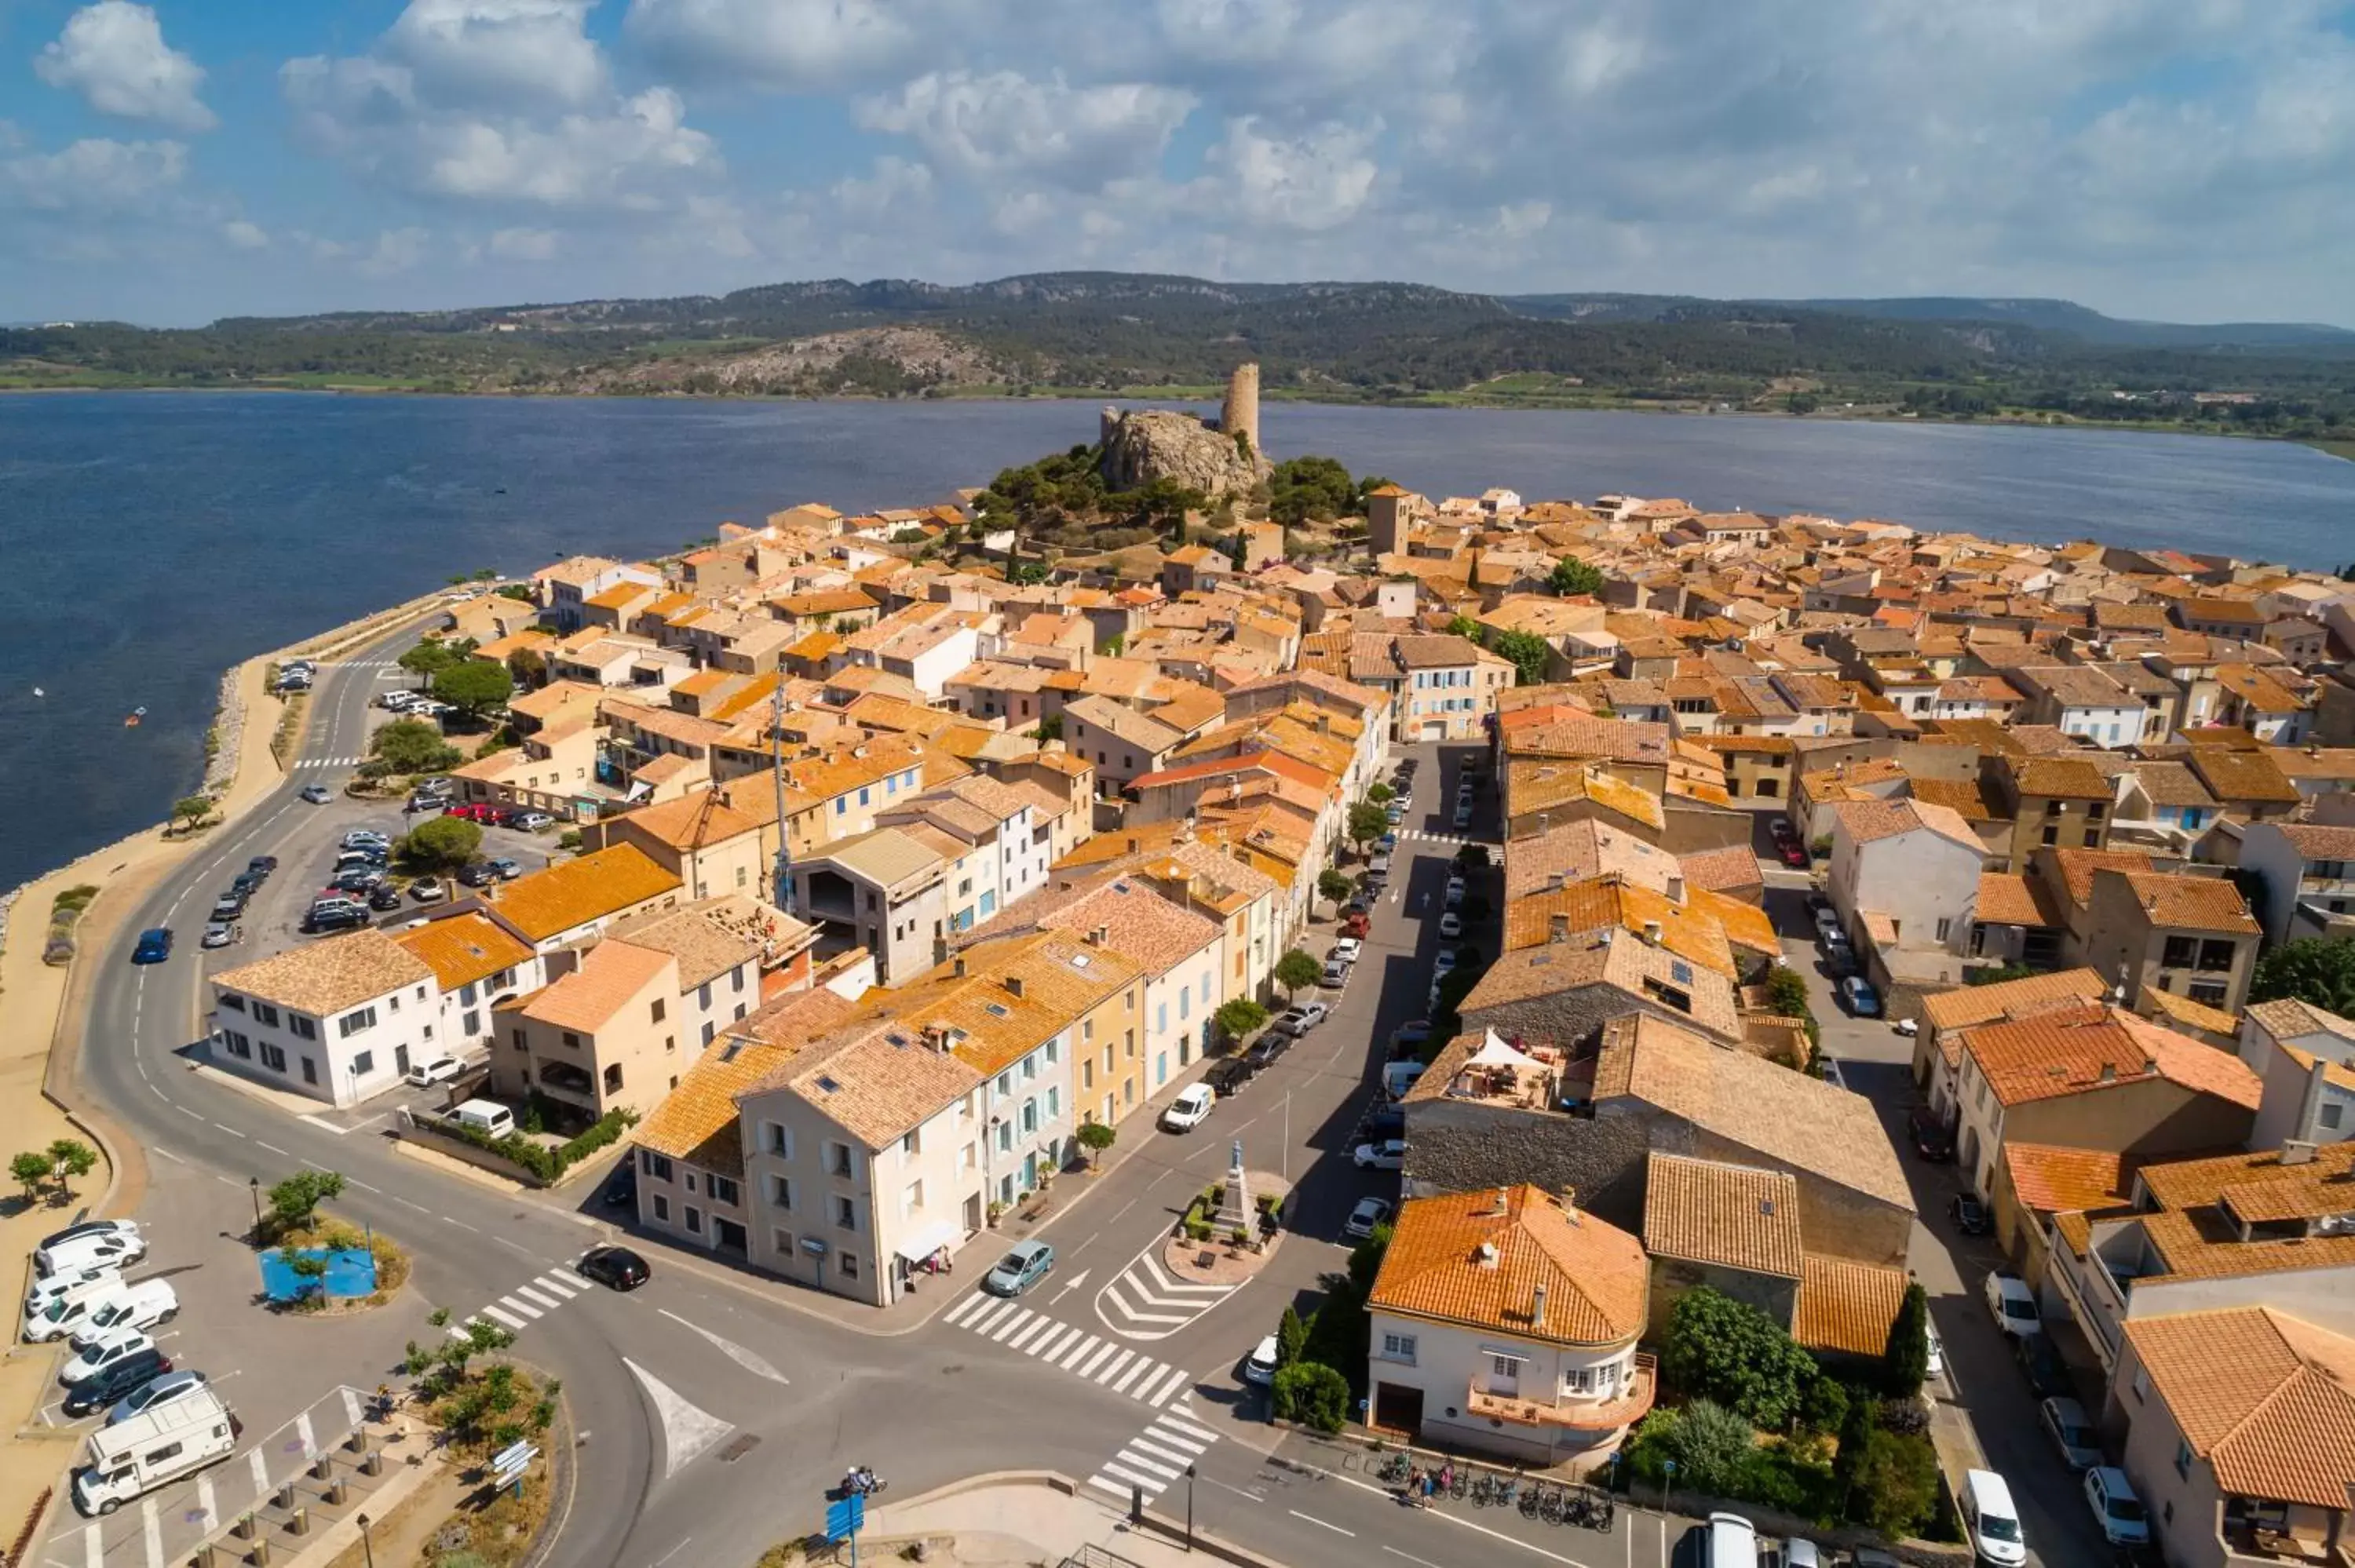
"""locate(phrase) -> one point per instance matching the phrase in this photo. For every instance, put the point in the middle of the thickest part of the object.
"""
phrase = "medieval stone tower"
(1241, 413)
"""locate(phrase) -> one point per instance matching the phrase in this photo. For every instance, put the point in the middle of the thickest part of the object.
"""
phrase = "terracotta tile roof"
(2089, 1048)
(2242, 776)
(1467, 1257)
(1631, 967)
(2266, 1399)
(326, 978)
(879, 1081)
(2077, 868)
(611, 974)
(1611, 903)
(1576, 851)
(2290, 1020)
(697, 1121)
(2172, 784)
(2314, 841)
(1738, 1216)
(1963, 797)
(2061, 778)
(575, 891)
(1621, 740)
(1868, 821)
(464, 948)
(1799, 1122)
(1057, 978)
(691, 821)
(1538, 785)
(1846, 1306)
(2188, 903)
(2008, 898)
(704, 948)
(2183, 1012)
(2051, 1180)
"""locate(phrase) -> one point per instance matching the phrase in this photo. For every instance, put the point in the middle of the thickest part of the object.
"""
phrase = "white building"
(339, 1020)
(1905, 874)
(2304, 1058)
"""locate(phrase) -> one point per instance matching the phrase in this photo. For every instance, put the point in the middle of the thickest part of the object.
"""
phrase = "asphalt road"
(713, 1414)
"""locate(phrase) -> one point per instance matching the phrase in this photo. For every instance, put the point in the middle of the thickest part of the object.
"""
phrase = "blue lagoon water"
(148, 540)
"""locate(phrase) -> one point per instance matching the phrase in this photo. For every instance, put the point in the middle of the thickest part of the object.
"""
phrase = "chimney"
(2296, 1151)
(1537, 1307)
(960, 966)
(2109, 1073)
(1099, 937)
(1676, 888)
(1485, 1255)
(1132, 845)
(1014, 987)
(1569, 1196)
(1554, 882)
(1557, 927)
(1652, 933)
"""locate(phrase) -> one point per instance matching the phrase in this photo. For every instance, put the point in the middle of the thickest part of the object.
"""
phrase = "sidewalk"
(1020, 1519)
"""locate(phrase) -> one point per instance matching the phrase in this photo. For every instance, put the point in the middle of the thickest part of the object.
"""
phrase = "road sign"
(508, 1464)
(844, 1516)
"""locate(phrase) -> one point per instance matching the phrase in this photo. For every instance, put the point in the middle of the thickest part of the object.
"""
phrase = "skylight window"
(999, 1009)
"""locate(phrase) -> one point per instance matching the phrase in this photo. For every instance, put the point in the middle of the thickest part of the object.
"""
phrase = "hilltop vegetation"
(1099, 333)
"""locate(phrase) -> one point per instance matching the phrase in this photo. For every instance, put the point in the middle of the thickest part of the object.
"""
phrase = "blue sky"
(175, 161)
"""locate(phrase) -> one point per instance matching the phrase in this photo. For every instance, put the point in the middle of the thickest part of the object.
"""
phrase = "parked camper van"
(133, 1457)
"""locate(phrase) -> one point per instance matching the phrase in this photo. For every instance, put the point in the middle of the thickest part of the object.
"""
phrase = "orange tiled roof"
(2266, 1399)
(1846, 1306)
(2051, 1180)
(1482, 1257)
(1739, 1216)
(2081, 1049)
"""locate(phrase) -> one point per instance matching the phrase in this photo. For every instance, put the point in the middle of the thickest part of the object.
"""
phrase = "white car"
(1369, 1212)
(2120, 1513)
(37, 1299)
(1454, 893)
(2065, 1422)
(1937, 1364)
(2013, 1304)
(148, 1396)
(1828, 921)
(104, 1354)
(137, 1308)
(1300, 1019)
(440, 1070)
(1444, 962)
(1191, 1109)
(1347, 950)
(1260, 1366)
(1387, 1155)
(1451, 923)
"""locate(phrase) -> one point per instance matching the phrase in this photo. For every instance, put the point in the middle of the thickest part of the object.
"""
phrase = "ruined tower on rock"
(1240, 414)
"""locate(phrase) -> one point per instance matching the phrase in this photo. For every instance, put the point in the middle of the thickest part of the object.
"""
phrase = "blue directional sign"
(844, 1518)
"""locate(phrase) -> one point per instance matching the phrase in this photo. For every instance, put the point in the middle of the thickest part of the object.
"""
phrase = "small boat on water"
(132, 721)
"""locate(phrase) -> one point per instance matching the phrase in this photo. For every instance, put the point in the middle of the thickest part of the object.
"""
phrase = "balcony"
(1569, 1412)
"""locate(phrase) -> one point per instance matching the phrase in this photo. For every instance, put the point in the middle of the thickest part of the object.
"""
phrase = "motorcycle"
(862, 1481)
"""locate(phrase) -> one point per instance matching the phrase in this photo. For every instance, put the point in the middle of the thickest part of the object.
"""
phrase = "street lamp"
(367, 1548)
(255, 1182)
(1190, 1509)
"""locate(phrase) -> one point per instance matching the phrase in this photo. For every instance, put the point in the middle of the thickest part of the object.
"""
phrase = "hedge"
(547, 1164)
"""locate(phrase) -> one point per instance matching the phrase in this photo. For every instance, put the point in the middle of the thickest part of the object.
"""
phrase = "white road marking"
(230, 1130)
(1420, 1561)
(1117, 1362)
(93, 1550)
(406, 1204)
(364, 1186)
(1178, 1377)
(205, 1503)
(537, 1299)
(1130, 1375)
(1102, 1350)
(1076, 1281)
(964, 1309)
(272, 1147)
(688, 1433)
(557, 1285)
(1011, 1321)
(1326, 1523)
(167, 1154)
(496, 1316)
(460, 1223)
(512, 1305)
(1177, 1423)
(186, 1112)
(1030, 1333)
(743, 1358)
(260, 1463)
(672, 1553)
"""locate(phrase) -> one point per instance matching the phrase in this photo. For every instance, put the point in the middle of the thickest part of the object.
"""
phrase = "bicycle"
(1551, 1508)
(1532, 1495)
(1605, 1513)
(1455, 1484)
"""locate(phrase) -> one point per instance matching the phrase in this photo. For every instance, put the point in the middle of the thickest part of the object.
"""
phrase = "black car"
(2048, 1374)
(1382, 1125)
(620, 1188)
(230, 905)
(478, 874)
(1265, 1050)
(246, 882)
(338, 919)
(262, 864)
(1932, 1141)
(1229, 1077)
(120, 1381)
(385, 898)
(1970, 1215)
(617, 1266)
(74, 1233)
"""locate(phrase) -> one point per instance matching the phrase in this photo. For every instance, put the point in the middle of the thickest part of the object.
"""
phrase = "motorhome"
(133, 1457)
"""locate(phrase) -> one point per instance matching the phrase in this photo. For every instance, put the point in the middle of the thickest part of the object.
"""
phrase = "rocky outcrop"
(1160, 443)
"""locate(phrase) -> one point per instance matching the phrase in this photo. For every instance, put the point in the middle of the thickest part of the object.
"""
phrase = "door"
(973, 1210)
(1398, 1408)
(400, 1060)
(1504, 1376)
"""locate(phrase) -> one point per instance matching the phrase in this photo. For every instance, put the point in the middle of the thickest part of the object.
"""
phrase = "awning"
(929, 1238)
(1496, 1052)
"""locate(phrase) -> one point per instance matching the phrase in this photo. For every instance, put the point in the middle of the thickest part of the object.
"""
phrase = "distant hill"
(1106, 332)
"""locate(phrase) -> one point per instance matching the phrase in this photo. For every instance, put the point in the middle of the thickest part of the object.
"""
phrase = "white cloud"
(395, 250)
(1003, 123)
(794, 44)
(95, 175)
(500, 101)
(895, 182)
(524, 244)
(113, 54)
(244, 236)
(1313, 180)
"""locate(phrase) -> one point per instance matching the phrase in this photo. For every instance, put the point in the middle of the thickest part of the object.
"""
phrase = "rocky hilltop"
(1147, 444)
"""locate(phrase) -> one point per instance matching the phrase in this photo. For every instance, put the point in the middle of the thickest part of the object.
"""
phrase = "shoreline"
(2342, 449)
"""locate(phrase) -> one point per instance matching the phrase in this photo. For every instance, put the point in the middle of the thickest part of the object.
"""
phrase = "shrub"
(1291, 1335)
(1906, 1360)
(1198, 1230)
(1730, 1352)
(1906, 1417)
(1824, 1407)
(1711, 1445)
(1311, 1393)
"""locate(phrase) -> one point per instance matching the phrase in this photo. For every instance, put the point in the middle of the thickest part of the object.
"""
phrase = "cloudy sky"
(178, 160)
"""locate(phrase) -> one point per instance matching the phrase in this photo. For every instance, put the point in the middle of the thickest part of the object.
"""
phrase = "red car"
(474, 813)
(1793, 854)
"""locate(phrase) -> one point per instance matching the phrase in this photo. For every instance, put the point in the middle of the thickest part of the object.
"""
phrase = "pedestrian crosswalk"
(1158, 1455)
(527, 1304)
(1435, 838)
(1144, 1303)
(1104, 1362)
(331, 762)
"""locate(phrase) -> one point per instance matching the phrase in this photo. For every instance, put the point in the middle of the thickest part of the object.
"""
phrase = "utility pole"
(784, 879)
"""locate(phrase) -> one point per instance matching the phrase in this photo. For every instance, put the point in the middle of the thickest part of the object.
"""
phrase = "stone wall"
(1458, 1146)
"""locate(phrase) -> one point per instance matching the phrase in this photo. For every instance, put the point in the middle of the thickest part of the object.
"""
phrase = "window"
(658, 1010)
(2330, 1114)
(310, 1070)
(239, 1045)
(707, 1029)
(912, 1143)
(520, 1043)
(363, 1063)
(840, 1162)
(2095, 811)
(2051, 837)
(1399, 1348)
(1005, 1137)
(723, 1190)
(777, 1140)
(654, 1165)
(308, 1028)
(911, 1199)
(848, 1263)
(1030, 1116)
(1945, 925)
(693, 1220)
(1054, 1102)
(272, 1057)
(782, 1241)
(2141, 1384)
(2178, 953)
(736, 978)
(265, 1014)
(846, 1214)
(2216, 958)
(661, 1208)
(569, 1039)
(612, 1076)
(233, 1003)
(2182, 1459)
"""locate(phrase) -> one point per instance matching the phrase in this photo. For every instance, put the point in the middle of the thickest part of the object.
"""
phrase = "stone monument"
(1235, 1210)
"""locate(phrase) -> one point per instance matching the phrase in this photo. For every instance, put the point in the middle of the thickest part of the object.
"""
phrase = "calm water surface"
(149, 540)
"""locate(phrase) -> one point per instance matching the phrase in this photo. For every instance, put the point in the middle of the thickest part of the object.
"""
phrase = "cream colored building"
(608, 1033)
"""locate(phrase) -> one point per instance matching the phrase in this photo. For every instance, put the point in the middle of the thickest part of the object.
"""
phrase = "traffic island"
(1226, 1237)
(314, 1265)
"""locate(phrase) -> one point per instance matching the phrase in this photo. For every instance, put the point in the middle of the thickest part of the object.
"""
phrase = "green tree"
(31, 1168)
(1332, 886)
(1237, 1016)
(1888, 1481)
(411, 746)
(72, 1157)
(1295, 970)
(1572, 577)
(1368, 823)
(1711, 1446)
(1787, 992)
(1115, 644)
(1800, 403)
(1381, 794)
(1313, 1394)
(293, 1200)
(1729, 1352)
(1905, 1360)
(310, 1271)
(1095, 1137)
(1291, 1334)
(2316, 971)
(1530, 654)
(1465, 626)
(427, 659)
(191, 809)
(1824, 1407)
(474, 685)
(441, 843)
(1049, 728)
(1310, 489)
(528, 666)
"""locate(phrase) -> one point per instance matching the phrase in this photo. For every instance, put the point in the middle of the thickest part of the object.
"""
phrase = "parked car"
(1336, 975)
(616, 1267)
(1380, 1122)
(1450, 924)
(1463, 818)
(1792, 854)
(155, 946)
(1828, 921)
(2072, 1431)
(315, 793)
(248, 881)
(1414, 1032)
(2046, 1372)
(440, 1070)
(1266, 1049)
(477, 874)
(1260, 1365)
(1932, 1140)
(1859, 997)
(1300, 1019)
(1387, 1155)
(1454, 893)
(428, 890)
(1347, 950)
(122, 1378)
(620, 1188)
(1359, 925)
(98, 1276)
(384, 899)
(1028, 1263)
(1388, 842)
(1936, 1366)
(532, 821)
(358, 879)
(103, 1354)
(217, 934)
(1191, 1109)
(156, 1391)
(135, 1309)
(1369, 1212)
(364, 838)
(2116, 1510)
(2012, 1303)
(506, 869)
(1228, 1077)
(1442, 962)
(262, 864)
(118, 1248)
(1970, 1215)
(1839, 959)
(123, 1229)
(337, 918)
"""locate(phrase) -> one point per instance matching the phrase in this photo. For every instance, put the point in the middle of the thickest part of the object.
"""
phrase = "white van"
(45, 1292)
(484, 1116)
(1732, 1542)
(160, 1446)
(142, 1307)
(1990, 1521)
(69, 1311)
(115, 1247)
